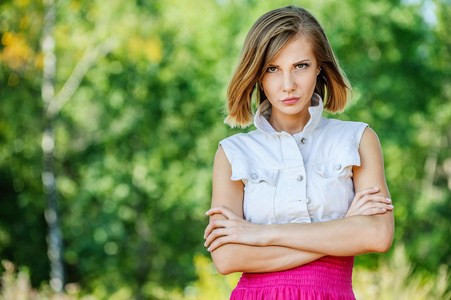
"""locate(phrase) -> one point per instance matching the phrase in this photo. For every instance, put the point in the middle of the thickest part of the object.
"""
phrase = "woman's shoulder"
(343, 130)
(242, 139)
(250, 146)
(340, 124)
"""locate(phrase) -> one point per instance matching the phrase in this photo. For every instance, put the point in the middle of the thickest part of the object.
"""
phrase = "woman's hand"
(367, 203)
(234, 230)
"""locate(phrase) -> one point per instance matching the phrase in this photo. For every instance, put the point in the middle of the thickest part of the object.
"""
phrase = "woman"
(284, 207)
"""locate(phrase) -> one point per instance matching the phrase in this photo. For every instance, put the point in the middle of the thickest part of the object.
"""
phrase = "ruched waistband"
(327, 273)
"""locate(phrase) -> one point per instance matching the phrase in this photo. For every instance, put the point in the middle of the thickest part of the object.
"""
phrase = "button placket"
(290, 149)
(304, 217)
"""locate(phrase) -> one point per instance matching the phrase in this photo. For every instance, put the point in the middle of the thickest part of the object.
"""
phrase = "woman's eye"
(271, 69)
(301, 66)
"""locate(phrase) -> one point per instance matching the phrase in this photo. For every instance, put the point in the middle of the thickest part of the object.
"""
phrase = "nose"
(289, 84)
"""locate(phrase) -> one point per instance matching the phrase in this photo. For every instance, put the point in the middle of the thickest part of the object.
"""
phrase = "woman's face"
(290, 79)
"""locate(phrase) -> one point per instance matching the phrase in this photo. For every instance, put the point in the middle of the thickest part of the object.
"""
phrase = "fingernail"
(383, 209)
(391, 206)
(207, 212)
(388, 199)
(208, 249)
(375, 188)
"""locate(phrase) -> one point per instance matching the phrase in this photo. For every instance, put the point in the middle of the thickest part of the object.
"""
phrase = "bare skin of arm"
(368, 226)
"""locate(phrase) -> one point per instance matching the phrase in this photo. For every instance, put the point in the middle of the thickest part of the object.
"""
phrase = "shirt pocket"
(259, 193)
(336, 185)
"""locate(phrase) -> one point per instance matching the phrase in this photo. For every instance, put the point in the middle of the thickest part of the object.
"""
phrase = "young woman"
(296, 199)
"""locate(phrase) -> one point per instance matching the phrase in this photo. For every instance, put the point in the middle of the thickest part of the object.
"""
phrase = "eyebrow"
(296, 63)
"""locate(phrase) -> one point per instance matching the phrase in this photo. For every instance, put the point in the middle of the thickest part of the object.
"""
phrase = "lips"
(290, 100)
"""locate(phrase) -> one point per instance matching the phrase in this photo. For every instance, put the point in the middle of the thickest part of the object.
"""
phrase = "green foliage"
(135, 143)
(395, 279)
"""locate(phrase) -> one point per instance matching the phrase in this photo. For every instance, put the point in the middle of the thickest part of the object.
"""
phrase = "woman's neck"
(291, 124)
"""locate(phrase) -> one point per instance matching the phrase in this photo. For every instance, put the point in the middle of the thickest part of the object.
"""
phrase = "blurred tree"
(52, 214)
(52, 103)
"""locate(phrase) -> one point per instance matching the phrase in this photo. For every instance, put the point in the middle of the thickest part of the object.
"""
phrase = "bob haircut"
(266, 38)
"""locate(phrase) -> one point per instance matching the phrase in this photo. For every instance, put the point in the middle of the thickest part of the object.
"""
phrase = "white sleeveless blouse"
(302, 178)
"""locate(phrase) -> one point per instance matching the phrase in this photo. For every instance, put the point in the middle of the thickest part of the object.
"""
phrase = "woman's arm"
(246, 258)
(353, 235)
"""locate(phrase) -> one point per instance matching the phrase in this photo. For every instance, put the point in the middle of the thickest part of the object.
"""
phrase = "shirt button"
(304, 221)
(307, 200)
(303, 140)
(254, 176)
(300, 178)
(338, 167)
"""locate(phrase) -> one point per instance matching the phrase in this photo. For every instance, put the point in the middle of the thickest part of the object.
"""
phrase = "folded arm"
(235, 257)
(368, 226)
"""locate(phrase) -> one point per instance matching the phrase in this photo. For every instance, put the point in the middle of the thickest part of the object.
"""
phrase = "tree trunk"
(52, 215)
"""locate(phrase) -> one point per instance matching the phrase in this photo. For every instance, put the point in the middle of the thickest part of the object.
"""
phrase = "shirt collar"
(261, 119)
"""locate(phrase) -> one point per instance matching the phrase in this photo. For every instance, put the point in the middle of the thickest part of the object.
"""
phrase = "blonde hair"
(266, 38)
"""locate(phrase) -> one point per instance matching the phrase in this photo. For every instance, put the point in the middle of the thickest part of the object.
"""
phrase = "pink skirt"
(328, 278)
